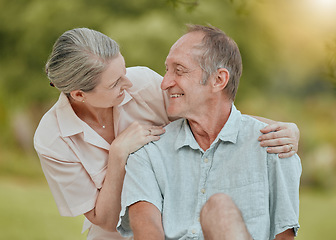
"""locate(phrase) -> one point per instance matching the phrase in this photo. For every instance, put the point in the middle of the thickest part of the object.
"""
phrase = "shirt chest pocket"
(248, 194)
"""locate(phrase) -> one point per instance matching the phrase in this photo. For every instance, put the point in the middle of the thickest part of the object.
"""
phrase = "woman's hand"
(280, 137)
(136, 136)
(106, 212)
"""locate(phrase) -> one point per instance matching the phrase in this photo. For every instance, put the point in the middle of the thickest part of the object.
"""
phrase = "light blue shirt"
(178, 177)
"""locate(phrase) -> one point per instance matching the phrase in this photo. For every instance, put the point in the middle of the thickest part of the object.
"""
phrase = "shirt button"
(206, 160)
(203, 190)
(193, 231)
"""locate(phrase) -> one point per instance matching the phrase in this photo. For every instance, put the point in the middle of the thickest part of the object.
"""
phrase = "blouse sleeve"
(73, 190)
(149, 102)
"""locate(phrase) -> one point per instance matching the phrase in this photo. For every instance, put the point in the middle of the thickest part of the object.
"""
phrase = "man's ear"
(77, 95)
(221, 79)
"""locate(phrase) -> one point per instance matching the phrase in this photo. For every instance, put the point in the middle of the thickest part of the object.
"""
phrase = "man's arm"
(286, 235)
(145, 220)
(284, 183)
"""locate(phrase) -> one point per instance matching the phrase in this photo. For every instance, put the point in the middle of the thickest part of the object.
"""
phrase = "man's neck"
(206, 129)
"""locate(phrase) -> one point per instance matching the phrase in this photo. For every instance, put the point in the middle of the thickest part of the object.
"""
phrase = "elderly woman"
(105, 112)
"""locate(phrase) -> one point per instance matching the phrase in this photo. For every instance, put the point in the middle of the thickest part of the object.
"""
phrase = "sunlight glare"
(324, 4)
(324, 10)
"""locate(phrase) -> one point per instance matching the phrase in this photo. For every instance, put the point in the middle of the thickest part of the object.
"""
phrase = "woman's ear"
(221, 79)
(77, 95)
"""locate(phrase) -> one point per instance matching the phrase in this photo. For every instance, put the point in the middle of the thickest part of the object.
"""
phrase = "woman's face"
(110, 91)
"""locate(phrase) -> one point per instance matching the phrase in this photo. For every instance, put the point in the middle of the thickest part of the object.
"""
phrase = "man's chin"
(172, 115)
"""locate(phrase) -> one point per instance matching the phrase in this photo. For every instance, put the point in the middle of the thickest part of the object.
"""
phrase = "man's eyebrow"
(179, 64)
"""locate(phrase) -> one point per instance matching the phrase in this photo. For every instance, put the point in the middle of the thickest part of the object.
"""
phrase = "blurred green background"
(289, 56)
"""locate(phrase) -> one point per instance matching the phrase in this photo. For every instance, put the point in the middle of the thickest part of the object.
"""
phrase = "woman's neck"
(99, 119)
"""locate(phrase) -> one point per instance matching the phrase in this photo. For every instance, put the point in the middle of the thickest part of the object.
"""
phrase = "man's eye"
(179, 71)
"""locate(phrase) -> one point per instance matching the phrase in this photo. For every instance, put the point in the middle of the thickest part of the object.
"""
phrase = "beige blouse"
(74, 157)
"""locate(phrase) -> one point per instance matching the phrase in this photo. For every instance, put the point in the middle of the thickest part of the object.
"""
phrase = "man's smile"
(176, 95)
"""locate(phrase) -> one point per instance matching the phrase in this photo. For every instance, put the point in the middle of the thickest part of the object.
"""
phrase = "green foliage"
(21, 165)
(189, 5)
(331, 62)
(27, 38)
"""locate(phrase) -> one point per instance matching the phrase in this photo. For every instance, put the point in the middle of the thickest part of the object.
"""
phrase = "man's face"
(183, 78)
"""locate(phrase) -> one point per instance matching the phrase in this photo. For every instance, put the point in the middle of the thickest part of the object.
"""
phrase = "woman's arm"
(107, 208)
(279, 137)
(106, 212)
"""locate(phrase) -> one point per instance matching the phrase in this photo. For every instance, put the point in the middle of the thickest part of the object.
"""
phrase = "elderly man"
(208, 177)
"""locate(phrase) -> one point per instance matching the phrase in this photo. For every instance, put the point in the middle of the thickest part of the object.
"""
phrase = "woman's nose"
(128, 83)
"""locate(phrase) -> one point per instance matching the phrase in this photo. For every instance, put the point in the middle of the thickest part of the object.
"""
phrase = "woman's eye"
(116, 83)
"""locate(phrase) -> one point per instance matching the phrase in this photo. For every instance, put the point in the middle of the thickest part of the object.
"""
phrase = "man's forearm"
(145, 220)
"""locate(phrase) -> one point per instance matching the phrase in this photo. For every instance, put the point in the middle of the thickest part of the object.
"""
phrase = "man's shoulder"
(160, 151)
(175, 126)
(168, 139)
(251, 121)
(251, 125)
(248, 134)
(171, 132)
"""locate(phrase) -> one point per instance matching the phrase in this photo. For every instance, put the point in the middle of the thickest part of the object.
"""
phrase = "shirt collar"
(185, 137)
(229, 132)
(70, 124)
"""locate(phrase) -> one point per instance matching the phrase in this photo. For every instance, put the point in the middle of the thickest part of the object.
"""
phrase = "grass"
(317, 215)
(28, 212)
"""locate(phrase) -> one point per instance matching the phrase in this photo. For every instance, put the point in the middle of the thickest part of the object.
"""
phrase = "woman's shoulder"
(143, 77)
(136, 70)
(45, 131)
(48, 132)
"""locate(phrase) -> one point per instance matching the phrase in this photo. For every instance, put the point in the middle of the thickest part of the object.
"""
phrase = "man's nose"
(168, 81)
